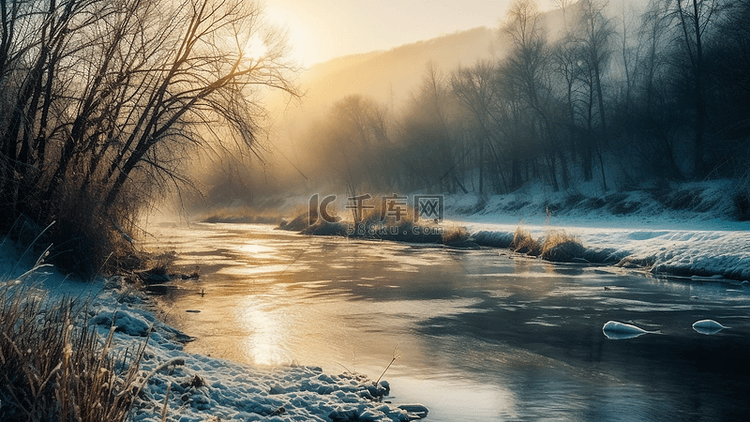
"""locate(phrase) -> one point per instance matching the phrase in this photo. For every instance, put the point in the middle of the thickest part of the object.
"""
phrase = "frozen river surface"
(480, 335)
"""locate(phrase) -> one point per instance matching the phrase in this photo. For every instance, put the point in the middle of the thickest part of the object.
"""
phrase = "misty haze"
(228, 210)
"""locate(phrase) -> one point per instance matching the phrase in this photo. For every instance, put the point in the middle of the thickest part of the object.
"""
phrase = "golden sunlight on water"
(268, 332)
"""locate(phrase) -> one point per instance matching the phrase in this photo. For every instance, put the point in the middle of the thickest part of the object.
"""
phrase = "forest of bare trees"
(102, 100)
(657, 94)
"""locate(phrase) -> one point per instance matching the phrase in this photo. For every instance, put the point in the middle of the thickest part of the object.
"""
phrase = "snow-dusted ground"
(628, 229)
(202, 388)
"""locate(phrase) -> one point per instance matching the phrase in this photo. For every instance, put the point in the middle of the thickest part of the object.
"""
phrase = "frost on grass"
(524, 242)
(202, 387)
(559, 246)
(555, 245)
(687, 251)
(54, 367)
(134, 367)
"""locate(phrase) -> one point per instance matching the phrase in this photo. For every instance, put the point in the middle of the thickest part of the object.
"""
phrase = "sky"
(324, 29)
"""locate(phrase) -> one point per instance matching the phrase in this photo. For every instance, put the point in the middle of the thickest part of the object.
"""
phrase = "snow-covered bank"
(704, 253)
(696, 238)
(687, 229)
(196, 387)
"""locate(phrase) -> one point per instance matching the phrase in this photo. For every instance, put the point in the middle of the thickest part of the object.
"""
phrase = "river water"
(479, 335)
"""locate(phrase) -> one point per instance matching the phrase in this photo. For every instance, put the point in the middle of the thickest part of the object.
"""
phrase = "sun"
(302, 42)
(255, 49)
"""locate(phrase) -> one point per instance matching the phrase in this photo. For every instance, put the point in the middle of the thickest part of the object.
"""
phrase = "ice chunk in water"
(707, 327)
(620, 331)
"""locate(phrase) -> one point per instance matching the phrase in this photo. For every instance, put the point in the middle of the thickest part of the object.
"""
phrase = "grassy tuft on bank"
(54, 368)
(379, 223)
(558, 246)
(524, 242)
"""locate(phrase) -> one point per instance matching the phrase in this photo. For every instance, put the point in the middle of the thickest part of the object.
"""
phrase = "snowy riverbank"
(200, 388)
(689, 229)
(687, 232)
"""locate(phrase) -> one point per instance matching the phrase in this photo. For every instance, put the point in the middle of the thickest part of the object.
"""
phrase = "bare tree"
(354, 142)
(529, 67)
(102, 99)
(476, 89)
(692, 19)
(427, 127)
(593, 38)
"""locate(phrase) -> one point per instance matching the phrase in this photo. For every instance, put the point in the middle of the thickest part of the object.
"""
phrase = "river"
(479, 335)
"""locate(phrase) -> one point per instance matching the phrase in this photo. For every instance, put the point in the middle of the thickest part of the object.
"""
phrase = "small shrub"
(87, 238)
(523, 242)
(558, 246)
(54, 369)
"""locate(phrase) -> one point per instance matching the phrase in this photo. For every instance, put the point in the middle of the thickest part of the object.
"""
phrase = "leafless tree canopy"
(102, 99)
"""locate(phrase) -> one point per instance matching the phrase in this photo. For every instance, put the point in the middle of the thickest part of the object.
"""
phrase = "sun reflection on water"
(267, 330)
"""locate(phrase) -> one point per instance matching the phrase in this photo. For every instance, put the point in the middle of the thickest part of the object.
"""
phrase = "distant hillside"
(397, 71)
(390, 76)
(387, 76)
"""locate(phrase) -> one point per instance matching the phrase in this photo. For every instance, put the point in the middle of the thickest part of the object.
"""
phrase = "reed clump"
(524, 242)
(558, 246)
(55, 367)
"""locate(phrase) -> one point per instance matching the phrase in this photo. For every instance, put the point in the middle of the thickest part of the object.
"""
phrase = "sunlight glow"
(302, 39)
(320, 31)
(254, 49)
(268, 334)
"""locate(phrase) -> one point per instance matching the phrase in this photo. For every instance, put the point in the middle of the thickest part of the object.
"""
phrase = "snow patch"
(666, 233)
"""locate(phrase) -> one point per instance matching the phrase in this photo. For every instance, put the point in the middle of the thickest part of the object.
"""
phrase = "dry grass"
(523, 242)
(381, 215)
(241, 215)
(387, 224)
(559, 246)
(455, 235)
(54, 368)
(556, 245)
(374, 223)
